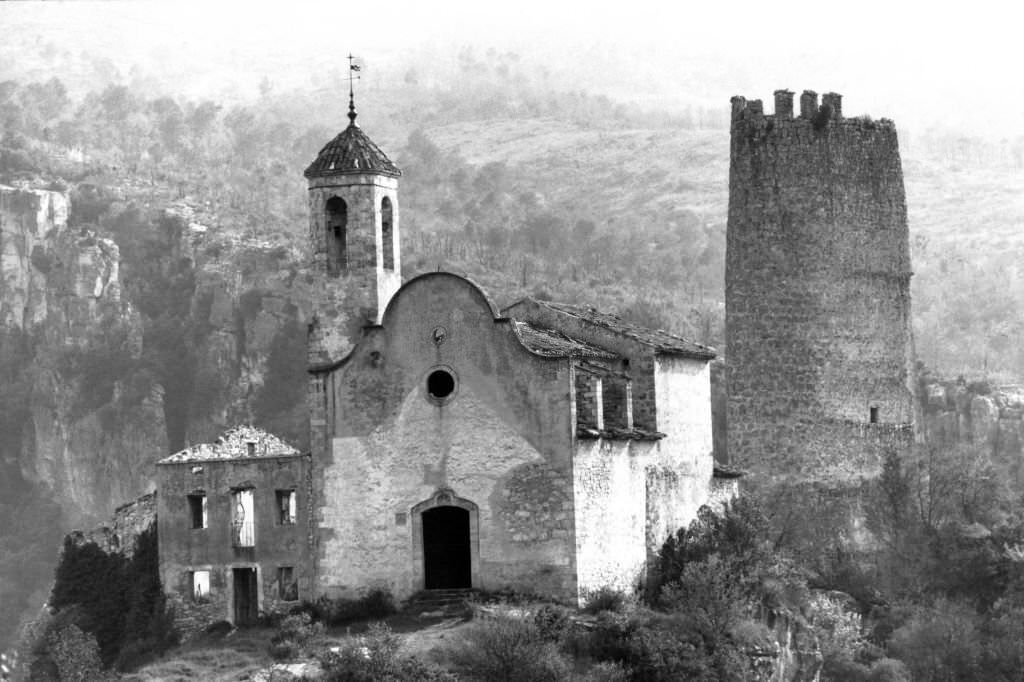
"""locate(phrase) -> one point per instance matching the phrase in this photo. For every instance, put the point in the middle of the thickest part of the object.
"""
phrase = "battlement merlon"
(831, 106)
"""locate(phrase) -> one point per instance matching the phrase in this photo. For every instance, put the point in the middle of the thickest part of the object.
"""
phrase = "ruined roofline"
(811, 113)
(218, 460)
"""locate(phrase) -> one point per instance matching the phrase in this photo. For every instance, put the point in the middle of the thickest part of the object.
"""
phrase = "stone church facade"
(545, 448)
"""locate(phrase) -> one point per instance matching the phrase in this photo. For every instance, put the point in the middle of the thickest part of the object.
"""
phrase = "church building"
(545, 448)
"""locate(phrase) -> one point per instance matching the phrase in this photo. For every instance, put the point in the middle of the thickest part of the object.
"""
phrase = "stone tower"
(819, 346)
(354, 238)
(356, 252)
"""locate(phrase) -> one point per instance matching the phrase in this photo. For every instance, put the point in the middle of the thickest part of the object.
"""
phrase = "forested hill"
(524, 186)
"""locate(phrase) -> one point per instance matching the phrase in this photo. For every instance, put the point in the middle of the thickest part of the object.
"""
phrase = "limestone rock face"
(984, 414)
(60, 290)
(977, 414)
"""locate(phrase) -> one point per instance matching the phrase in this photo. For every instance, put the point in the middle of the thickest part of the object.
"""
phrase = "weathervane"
(353, 69)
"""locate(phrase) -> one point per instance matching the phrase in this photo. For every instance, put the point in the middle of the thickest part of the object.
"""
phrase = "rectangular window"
(197, 509)
(873, 415)
(200, 585)
(243, 519)
(287, 586)
(286, 507)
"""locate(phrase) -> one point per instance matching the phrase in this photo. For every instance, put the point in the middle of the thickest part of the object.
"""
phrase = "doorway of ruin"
(246, 598)
(446, 563)
(445, 534)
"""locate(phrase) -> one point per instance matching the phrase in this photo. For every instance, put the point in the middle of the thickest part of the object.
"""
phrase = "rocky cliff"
(983, 415)
(61, 294)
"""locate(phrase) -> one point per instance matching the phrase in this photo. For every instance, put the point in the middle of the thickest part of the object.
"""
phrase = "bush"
(552, 621)
(375, 657)
(605, 599)
(296, 635)
(510, 650)
(376, 604)
(117, 600)
(654, 647)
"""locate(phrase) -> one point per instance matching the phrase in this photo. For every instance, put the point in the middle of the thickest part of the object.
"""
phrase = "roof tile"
(352, 151)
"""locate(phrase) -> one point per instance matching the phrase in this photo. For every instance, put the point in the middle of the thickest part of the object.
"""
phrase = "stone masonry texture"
(817, 292)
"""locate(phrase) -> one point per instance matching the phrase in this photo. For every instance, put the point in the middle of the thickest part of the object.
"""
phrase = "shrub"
(119, 601)
(509, 650)
(605, 599)
(375, 604)
(375, 657)
(888, 670)
(296, 635)
(552, 621)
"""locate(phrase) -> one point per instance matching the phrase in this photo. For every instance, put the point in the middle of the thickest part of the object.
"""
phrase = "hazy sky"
(918, 64)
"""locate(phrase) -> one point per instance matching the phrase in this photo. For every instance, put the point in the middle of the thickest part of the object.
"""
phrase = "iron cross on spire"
(353, 69)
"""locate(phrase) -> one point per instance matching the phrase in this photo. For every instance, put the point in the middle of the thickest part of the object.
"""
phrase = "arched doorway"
(446, 548)
(445, 542)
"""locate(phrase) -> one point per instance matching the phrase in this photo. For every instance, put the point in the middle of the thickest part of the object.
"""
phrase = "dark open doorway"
(446, 550)
(246, 601)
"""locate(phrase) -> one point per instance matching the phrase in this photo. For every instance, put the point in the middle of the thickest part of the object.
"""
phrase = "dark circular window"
(440, 383)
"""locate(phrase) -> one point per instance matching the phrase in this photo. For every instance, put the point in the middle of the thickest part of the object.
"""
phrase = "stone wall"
(129, 522)
(817, 292)
(611, 514)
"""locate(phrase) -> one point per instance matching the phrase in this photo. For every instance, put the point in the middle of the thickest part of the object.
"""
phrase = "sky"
(950, 65)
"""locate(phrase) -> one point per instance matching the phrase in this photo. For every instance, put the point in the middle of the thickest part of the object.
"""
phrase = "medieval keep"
(545, 448)
(820, 366)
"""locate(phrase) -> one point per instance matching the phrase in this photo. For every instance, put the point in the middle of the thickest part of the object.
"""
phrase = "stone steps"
(445, 601)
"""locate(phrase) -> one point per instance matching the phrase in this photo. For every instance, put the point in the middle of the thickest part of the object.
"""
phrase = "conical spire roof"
(352, 151)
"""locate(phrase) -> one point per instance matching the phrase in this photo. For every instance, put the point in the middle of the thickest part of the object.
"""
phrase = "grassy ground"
(242, 654)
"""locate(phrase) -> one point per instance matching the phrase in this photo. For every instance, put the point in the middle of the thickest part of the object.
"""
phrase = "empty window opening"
(617, 403)
(337, 226)
(589, 412)
(387, 233)
(286, 507)
(287, 586)
(243, 520)
(440, 384)
(199, 584)
(250, 449)
(197, 509)
(873, 415)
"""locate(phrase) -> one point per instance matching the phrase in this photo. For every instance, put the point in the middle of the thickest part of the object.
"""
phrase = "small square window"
(197, 510)
(199, 582)
(287, 507)
(287, 587)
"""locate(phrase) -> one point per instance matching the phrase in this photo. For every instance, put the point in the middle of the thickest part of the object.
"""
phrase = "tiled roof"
(351, 152)
(588, 433)
(556, 344)
(660, 340)
(234, 444)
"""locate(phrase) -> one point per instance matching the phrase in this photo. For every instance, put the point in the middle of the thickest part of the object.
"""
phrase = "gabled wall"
(502, 441)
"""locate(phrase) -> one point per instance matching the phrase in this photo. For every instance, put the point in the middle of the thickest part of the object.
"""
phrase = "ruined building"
(820, 353)
(545, 448)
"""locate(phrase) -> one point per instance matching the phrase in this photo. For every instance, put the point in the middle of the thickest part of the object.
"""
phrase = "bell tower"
(354, 238)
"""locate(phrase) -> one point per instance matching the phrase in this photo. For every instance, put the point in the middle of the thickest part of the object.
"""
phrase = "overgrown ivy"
(118, 600)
